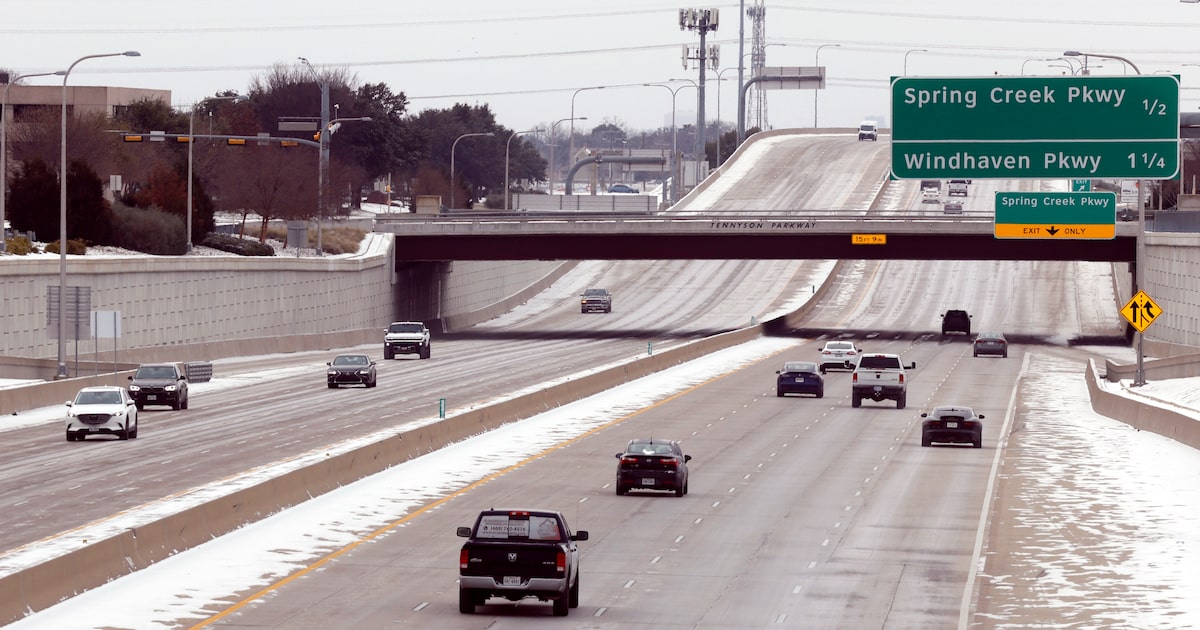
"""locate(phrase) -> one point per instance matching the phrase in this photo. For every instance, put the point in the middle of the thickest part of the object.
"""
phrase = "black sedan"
(800, 377)
(653, 464)
(350, 369)
(952, 424)
(990, 343)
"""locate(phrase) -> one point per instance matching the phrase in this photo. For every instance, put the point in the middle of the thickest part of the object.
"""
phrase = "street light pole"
(453, 146)
(192, 141)
(720, 78)
(62, 214)
(506, 148)
(573, 119)
(4, 147)
(915, 50)
(674, 137)
(323, 158)
(553, 141)
(817, 65)
(1076, 53)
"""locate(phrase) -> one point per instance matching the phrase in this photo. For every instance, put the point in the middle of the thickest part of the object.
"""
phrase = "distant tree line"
(271, 181)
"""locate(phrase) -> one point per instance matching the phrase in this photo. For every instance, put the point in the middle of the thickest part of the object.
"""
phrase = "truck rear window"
(518, 527)
(879, 363)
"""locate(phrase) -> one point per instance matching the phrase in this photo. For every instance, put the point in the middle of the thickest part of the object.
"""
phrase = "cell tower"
(756, 109)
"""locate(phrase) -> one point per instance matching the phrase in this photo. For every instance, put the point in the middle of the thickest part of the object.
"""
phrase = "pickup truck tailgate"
(507, 560)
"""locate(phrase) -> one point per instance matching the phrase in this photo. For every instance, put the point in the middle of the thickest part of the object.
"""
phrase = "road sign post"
(1035, 127)
(1140, 311)
(1064, 215)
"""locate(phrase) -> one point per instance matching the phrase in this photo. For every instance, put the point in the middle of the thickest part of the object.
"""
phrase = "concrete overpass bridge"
(732, 235)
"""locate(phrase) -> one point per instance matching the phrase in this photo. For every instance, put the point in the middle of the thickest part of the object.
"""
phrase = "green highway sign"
(1035, 127)
(1049, 215)
(1081, 185)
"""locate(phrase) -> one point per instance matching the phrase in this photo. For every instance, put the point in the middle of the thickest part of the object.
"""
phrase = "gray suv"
(159, 384)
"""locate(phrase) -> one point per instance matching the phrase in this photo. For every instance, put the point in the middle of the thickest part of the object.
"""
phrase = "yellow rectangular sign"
(868, 239)
(1103, 231)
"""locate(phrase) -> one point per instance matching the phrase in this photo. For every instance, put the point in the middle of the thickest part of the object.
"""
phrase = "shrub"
(338, 240)
(239, 246)
(149, 230)
(75, 247)
(20, 246)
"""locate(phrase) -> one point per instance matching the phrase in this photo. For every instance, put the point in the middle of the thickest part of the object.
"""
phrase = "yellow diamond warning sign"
(1140, 311)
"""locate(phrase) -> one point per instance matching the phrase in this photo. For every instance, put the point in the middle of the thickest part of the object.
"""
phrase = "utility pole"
(703, 21)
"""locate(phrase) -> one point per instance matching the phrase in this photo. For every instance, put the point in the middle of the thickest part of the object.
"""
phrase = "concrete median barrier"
(1142, 415)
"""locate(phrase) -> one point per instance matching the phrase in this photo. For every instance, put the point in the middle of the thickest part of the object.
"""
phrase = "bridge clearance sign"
(1083, 127)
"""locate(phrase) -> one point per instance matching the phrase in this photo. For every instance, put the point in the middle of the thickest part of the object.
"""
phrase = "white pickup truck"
(880, 377)
(406, 338)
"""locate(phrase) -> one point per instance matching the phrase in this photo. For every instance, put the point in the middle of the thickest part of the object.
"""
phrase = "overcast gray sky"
(528, 58)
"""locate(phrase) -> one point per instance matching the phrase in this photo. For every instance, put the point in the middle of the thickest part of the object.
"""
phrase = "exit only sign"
(1063, 215)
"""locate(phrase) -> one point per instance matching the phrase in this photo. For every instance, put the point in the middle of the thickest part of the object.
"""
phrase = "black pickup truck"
(516, 554)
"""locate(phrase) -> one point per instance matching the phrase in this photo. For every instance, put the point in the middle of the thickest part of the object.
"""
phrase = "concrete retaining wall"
(1143, 416)
(1179, 366)
(1173, 281)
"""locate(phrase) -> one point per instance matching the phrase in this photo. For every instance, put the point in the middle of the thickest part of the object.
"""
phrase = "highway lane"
(54, 487)
(810, 513)
(802, 512)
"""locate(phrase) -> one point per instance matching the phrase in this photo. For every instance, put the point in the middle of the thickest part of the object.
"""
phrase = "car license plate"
(951, 425)
(647, 482)
(151, 397)
(512, 580)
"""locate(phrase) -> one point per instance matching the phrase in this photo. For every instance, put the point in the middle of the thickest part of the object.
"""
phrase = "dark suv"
(956, 321)
(159, 384)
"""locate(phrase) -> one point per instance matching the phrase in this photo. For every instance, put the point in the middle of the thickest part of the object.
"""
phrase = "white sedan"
(842, 355)
(102, 410)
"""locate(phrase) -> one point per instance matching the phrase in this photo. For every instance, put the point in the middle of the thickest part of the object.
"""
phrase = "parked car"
(653, 464)
(990, 343)
(952, 424)
(839, 354)
(622, 188)
(159, 384)
(102, 410)
(350, 369)
(956, 321)
(800, 377)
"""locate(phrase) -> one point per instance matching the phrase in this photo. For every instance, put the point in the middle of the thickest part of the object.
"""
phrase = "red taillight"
(902, 378)
(854, 377)
(670, 461)
(629, 460)
(849, 353)
(462, 559)
(560, 563)
(826, 352)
